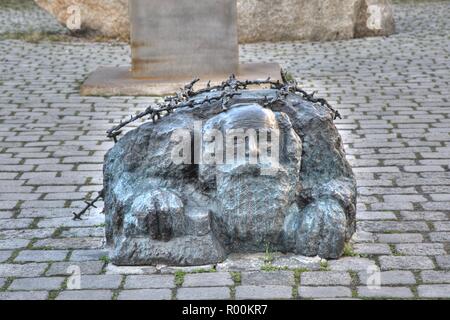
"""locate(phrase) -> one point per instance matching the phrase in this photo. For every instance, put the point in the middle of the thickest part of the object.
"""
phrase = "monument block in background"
(174, 41)
(183, 38)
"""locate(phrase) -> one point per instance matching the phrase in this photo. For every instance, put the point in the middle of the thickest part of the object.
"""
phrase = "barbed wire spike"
(89, 204)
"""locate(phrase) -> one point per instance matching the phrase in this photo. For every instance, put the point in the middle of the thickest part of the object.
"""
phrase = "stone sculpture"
(162, 210)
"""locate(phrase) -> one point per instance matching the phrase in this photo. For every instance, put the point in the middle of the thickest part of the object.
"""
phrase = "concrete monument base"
(120, 81)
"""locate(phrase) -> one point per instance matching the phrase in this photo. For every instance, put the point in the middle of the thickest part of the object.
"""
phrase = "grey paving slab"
(41, 255)
(443, 262)
(106, 281)
(406, 262)
(423, 249)
(215, 279)
(207, 293)
(387, 278)
(24, 295)
(263, 292)
(324, 292)
(13, 244)
(85, 295)
(351, 264)
(149, 281)
(327, 278)
(432, 276)
(385, 292)
(372, 248)
(134, 270)
(278, 278)
(145, 294)
(22, 270)
(4, 255)
(434, 291)
(88, 255)
(65, 268)
(35, 284)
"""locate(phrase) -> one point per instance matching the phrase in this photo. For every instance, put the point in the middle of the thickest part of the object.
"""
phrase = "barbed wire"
(89, 204)
(184, 99)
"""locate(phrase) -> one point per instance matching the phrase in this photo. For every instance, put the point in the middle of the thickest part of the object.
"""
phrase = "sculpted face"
(258, 178)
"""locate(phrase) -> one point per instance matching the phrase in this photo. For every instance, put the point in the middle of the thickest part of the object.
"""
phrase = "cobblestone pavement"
(394, 96)
(26, 17)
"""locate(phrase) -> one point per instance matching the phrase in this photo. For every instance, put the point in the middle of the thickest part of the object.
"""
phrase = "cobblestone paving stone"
(145, 294)
(393, 94)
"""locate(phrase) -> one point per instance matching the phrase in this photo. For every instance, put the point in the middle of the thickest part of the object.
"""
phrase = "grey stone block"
(351, 264)
(242, 262)
(86, 267)
(406, 263)
(440, 236)
(145, 294)
(435, 276)
(372, 248)
(85, 295)
(163, 269)
(443, 261)
(41, 255)
(324, 292)
(263, 292)
(385, 292)
(149, 281)
(389, 277)
(326, 278)
(36, 284)
(100, 281)
(219, 279)
(9, 244)
(23, 235)
(112, 269)
(88, 255)
(209, 293)
(434, 291)
(15, 224)
(22, 270)
(4, 255)
(400, 237)
(83, 232)
(24, 295)
(403, 226)
(260, 278)
(70, 243)
(421, 249)
(297, 262)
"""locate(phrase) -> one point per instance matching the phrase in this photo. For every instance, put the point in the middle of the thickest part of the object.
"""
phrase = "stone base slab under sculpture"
(170, 198)
(110, 81)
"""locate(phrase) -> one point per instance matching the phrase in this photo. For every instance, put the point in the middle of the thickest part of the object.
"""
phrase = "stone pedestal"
(174, 41)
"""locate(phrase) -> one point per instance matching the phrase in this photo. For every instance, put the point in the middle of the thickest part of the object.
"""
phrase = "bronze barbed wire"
(229, 88)
(89, 204)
